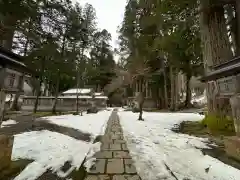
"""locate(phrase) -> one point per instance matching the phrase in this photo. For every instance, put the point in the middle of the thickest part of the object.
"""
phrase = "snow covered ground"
(88, 123)
(51, 150)
(158, 151)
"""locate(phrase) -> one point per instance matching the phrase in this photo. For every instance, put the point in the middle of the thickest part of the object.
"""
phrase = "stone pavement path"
(113, 162)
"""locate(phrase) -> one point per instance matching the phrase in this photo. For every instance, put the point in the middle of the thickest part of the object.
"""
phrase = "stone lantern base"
(232, 147)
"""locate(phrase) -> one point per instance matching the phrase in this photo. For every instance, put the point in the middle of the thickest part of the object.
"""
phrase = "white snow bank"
(8, 123)
(78, 91)
(89, 123)
(49, 150)
(153, 145)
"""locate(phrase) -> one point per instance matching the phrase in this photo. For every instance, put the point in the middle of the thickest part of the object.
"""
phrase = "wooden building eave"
(227, 69)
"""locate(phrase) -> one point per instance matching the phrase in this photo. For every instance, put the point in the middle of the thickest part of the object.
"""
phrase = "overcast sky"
(109, 15)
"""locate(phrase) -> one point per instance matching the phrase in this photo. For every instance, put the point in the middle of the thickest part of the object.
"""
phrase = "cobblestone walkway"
(113, 162)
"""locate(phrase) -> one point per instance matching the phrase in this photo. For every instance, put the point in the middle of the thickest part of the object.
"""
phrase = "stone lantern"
(224, 95)
(12, 72)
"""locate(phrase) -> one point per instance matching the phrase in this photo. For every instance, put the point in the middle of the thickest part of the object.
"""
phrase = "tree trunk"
(78, 81)
(155, 95)
(15, 106)
(38, 91)
(54, 111)
(140, 118)
(177, 90)
(58, 77)
(231, 21)
(237, 29)
(215, 41)
(34, 92)
(219, 40)
(140, 100)
(45, 89)
(173, 89)
(188, 92)
(8, 29)
(165, 89)
(160, 99)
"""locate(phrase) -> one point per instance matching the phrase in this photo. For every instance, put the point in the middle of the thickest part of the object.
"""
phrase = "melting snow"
(51, 150)
(88, 123)
(8, 123)
(154, 146)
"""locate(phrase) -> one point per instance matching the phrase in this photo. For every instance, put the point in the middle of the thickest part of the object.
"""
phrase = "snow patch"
(88, 123)
(78, 91)
(8, 123)
(154, 147)
(49, 150)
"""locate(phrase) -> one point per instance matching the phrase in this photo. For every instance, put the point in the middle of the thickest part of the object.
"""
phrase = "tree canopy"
(56, 37)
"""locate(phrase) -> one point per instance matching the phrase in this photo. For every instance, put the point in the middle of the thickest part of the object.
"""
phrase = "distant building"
(84, 93)
(86, 96)
(69, 100)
